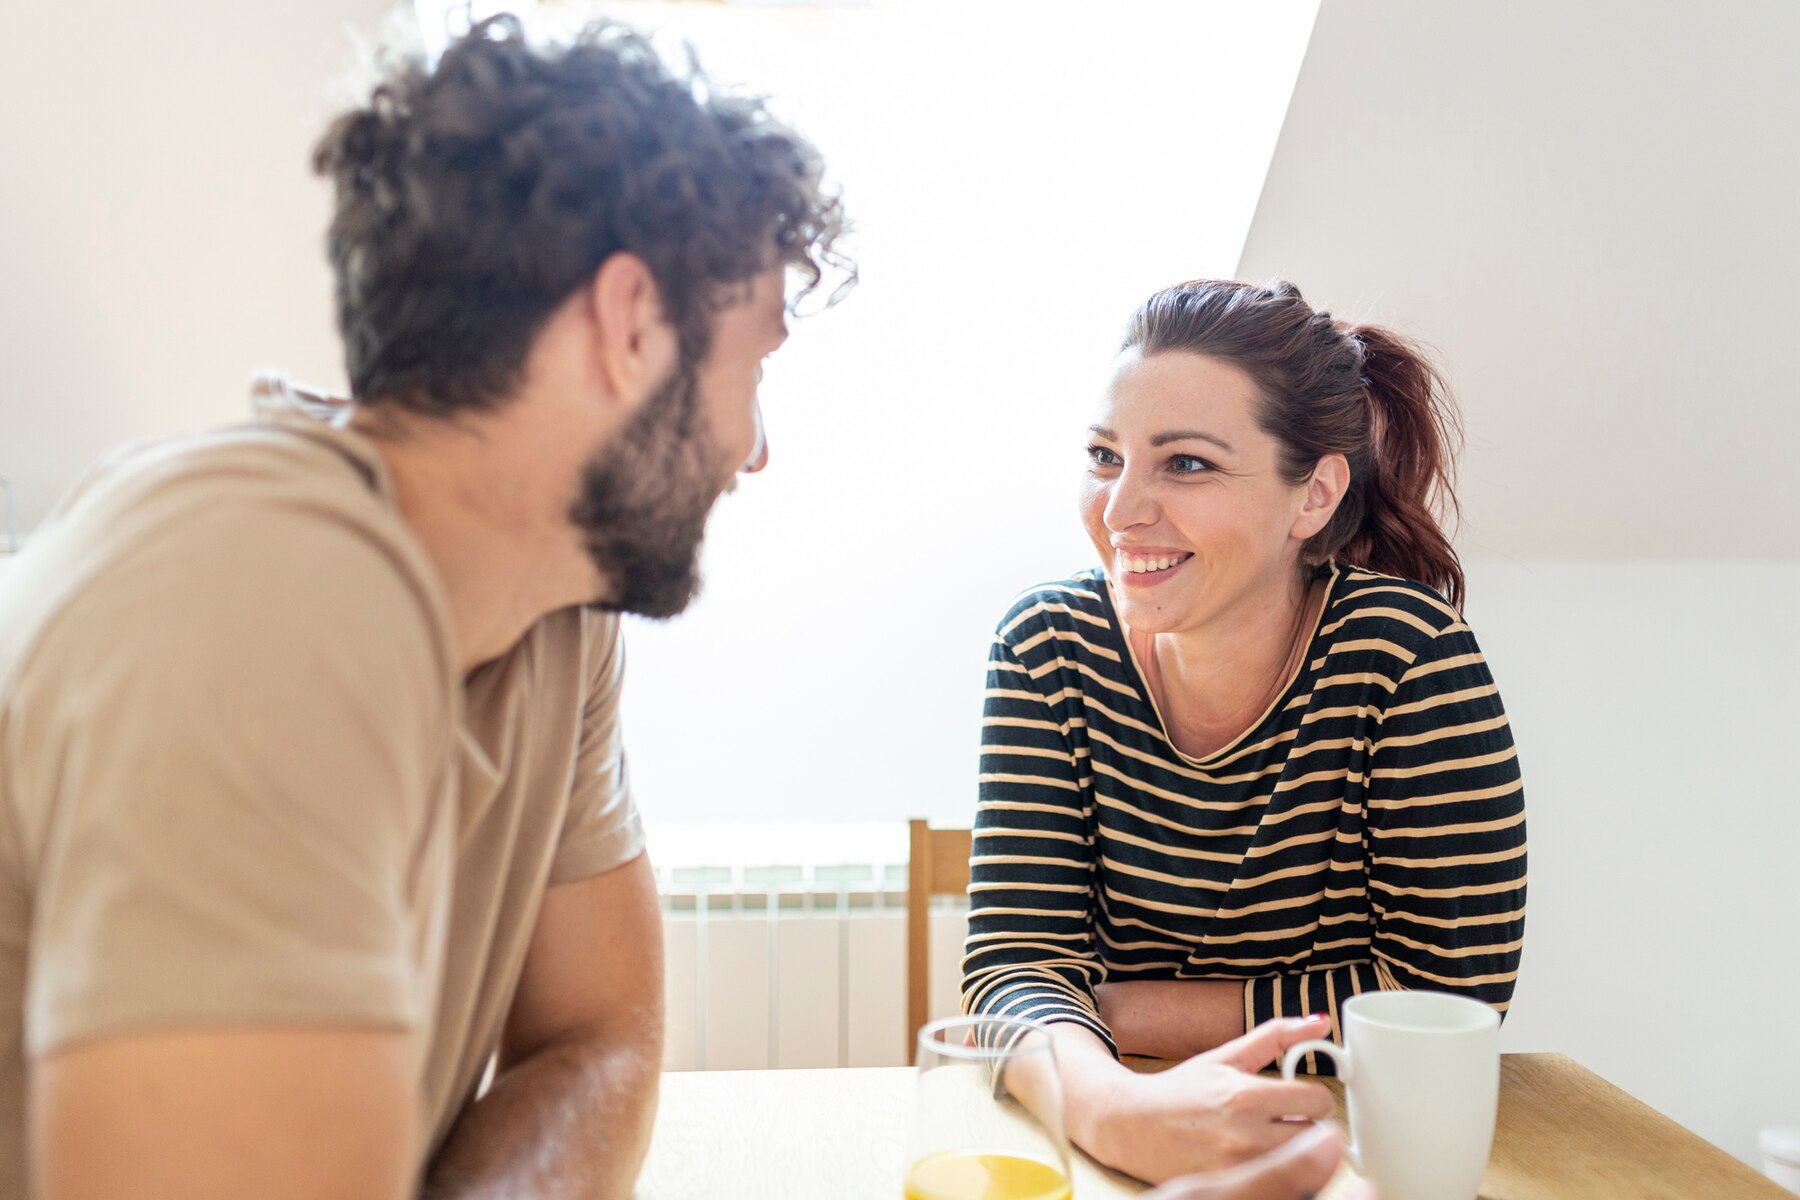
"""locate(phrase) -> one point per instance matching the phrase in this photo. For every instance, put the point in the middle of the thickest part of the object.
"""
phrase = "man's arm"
(275, 1113)
(224, 997)
(571, 1107)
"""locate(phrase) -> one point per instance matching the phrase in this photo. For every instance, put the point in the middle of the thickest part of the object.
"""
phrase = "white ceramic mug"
(1421, 1073)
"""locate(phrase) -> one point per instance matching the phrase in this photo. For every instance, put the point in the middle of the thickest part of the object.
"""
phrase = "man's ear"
(635, 346)
(1324, 492)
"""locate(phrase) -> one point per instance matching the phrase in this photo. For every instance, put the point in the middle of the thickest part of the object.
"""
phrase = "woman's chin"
(1154, 601)
(1150, 614)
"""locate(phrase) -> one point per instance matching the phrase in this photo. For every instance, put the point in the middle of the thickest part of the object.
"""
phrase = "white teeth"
(1139, 566)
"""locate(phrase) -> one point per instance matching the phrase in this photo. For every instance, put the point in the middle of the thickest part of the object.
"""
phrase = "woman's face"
(1184, 496)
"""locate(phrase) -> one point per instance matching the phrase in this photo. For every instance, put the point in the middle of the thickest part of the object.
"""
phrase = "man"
(311, 768)
(313, 802)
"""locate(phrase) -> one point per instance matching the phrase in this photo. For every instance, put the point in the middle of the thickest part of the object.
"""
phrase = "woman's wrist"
(1090, 1100)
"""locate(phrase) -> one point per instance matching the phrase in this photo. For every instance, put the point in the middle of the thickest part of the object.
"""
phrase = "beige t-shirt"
(241, 782)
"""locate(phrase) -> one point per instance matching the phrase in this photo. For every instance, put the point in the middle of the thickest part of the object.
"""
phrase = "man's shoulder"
(180, 493)
(306, 462)
(245, 533)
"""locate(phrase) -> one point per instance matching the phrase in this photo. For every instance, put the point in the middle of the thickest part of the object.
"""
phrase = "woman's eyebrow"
(1163, 439)
(1182, 435)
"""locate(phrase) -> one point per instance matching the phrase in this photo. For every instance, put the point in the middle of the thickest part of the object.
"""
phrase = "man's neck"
(485, 512)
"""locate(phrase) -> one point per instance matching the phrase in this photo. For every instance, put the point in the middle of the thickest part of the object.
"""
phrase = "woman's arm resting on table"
(572, 1105)
(1207, 1113)
(1172, 1018)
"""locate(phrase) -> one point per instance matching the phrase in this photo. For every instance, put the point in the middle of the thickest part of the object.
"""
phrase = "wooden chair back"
(938, 866)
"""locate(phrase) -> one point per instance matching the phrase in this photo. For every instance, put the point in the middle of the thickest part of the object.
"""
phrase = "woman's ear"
(1324, 491)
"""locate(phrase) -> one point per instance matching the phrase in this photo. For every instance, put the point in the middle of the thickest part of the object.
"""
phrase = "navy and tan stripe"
(1367, 833)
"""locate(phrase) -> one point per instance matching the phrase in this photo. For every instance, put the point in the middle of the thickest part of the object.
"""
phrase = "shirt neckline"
(1301, 670)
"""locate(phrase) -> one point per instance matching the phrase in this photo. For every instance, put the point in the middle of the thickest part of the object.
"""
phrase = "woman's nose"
(1129, 503)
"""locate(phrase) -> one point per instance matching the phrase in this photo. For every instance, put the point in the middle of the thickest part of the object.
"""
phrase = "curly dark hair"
(474, 196)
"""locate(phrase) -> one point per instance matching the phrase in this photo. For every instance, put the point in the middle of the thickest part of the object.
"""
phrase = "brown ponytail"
(1330, 387)
(1413, 432)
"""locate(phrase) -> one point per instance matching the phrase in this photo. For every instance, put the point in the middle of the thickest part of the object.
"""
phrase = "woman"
(1254, 764)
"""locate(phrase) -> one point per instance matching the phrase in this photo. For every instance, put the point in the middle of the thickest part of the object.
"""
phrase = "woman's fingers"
(1275, 1098)
(1292, 1171)
(1260, 1131)
(1267, 1042)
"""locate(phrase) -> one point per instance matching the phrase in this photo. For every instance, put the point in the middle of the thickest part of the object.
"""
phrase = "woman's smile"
(1140, 567)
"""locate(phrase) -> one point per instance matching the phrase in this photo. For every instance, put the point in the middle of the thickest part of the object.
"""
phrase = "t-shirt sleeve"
(1031, 951)
(601, 829)
(1446, 830)
(241, 727)
(1445, 847)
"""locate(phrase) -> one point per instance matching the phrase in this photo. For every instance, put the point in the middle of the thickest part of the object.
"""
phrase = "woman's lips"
(1142, 579)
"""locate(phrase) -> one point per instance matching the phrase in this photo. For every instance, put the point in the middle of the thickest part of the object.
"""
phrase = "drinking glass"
(988, 1115)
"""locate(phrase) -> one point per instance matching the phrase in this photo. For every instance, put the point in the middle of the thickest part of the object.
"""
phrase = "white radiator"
(797, 966)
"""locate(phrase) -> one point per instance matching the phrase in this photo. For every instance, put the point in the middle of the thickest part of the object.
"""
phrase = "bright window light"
(1021, 175)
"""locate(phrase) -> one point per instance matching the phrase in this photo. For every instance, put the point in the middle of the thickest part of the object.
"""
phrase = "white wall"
(1654, 713)
(1589, 210)
(161, 233)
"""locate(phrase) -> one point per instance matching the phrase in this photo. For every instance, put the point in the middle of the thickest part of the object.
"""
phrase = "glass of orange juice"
(987, 1118)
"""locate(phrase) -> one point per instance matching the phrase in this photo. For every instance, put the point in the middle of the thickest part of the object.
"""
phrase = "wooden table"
(841, 1135)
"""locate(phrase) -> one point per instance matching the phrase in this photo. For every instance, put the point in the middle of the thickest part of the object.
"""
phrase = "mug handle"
(1336, 1053)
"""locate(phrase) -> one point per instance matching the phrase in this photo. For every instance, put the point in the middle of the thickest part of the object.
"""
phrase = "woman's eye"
(1188, 464)
(1100, 456)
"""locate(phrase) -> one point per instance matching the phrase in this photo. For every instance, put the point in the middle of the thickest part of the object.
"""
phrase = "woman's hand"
(1210, 1112)
(1295, 1171)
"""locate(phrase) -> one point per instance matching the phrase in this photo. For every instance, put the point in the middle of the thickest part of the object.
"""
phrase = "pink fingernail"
(1318, 1016)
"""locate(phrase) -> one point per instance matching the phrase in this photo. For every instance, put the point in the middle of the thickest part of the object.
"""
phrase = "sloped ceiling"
(1593, 212)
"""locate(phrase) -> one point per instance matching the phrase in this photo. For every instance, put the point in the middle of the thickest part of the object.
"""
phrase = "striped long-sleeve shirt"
(1367, 832)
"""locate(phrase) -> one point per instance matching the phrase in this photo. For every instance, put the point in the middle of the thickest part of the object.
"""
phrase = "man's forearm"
(1172, 1018)
(572, 1120)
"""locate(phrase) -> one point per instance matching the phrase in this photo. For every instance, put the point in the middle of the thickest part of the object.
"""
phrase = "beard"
(645, 499)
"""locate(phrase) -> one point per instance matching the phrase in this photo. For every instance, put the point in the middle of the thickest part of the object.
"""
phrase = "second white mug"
(1421, 1074)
